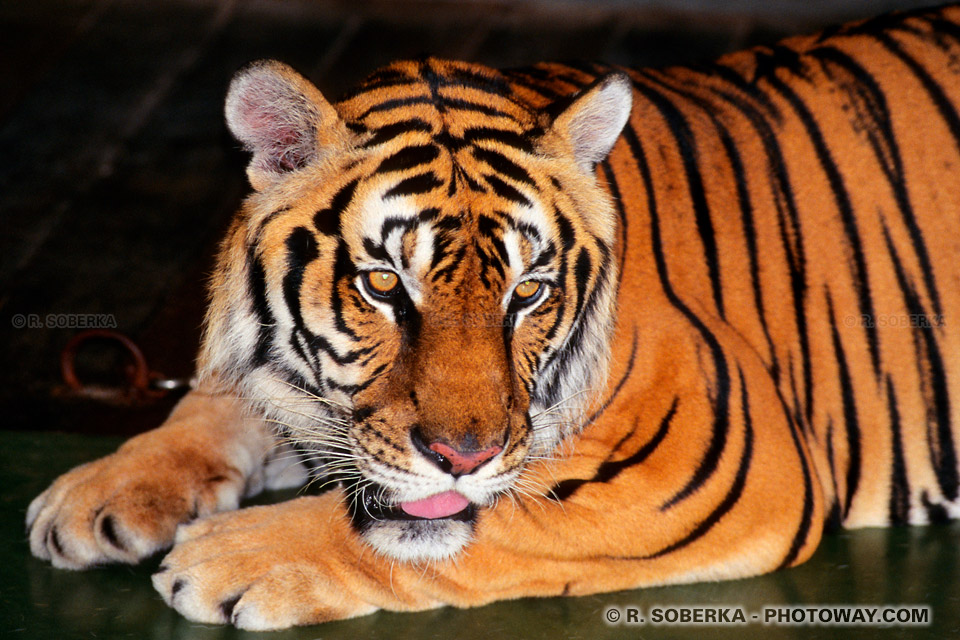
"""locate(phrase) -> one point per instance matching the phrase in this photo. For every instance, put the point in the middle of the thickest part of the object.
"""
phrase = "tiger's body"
(532, 374)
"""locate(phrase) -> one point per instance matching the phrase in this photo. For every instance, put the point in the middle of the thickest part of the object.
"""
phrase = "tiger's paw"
(126, 506)
(261, 568)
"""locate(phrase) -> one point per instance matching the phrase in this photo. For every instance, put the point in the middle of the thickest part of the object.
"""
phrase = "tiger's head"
(421, 288)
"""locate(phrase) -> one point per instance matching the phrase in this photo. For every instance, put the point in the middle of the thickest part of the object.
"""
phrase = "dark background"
(117, 175)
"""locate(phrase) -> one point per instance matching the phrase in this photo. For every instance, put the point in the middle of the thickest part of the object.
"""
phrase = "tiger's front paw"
(262, 568)
(126, 506)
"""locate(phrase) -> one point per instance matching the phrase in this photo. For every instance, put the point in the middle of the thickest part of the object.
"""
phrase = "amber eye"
(383, 283)
(527, 290)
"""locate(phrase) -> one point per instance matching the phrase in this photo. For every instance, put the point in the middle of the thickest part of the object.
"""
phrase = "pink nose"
(463, 462)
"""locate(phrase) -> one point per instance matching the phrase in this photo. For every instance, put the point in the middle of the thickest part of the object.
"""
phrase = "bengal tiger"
(559, 330)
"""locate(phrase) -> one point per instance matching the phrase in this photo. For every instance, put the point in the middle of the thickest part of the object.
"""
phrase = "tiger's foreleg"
(126, 506)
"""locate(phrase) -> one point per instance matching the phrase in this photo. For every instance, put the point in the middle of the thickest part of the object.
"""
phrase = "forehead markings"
(524, 227)
(515, 258)
(328, 220)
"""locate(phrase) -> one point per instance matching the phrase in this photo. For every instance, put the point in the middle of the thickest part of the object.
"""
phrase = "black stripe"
(887, 151)
(574, 343)
(614, 188)
(527, 230)
(562, 270)
(933, 379)
(791, 231)
(380, 80)
(257, 282)
(619, 386)
(343, 269)
(502, 136)
(441, 242)
(298, 381)
(468, 105)
(842, 199)
(258, 235)
(899, 487)
(395, 104)
(770, 111)
(936, 513)
(447, 272)
(422, 183)
(501, 250)
(565, 229)
(687, 147)
(608, 470)
(487, 226)
(390, 131)
(327, 221)
(736, 489)
(744, 205)
(301, 251)
(506, 191)
(430, 215)
(581, 276)
(352, 389)
(392, 223)
(806, 515)
(544, 257)
(503, 165)
(408, 158)
(300, 339)
(722, 389)
(488, 260)
(850, 422)
(375, 250)
(940, 99)
(833, 521)
(494, 84)
(537, 80)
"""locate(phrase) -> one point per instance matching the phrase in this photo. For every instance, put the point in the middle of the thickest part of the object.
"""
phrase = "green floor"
(910, 566)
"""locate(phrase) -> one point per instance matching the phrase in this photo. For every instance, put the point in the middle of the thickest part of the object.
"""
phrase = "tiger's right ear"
(591, 124)
(281, 118)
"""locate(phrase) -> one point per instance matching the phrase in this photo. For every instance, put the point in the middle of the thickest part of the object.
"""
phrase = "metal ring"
(138, 378)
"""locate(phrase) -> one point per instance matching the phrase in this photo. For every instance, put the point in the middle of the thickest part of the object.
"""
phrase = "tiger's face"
(421, 290)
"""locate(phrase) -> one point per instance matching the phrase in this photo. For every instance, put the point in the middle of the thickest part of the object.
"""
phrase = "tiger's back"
(806, 196)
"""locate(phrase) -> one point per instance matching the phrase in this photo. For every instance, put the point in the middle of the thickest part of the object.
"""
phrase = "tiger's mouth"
(445, 506)
(436, 527)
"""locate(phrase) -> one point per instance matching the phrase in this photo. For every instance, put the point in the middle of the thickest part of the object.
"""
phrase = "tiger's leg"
(126, 506)
(667, 504)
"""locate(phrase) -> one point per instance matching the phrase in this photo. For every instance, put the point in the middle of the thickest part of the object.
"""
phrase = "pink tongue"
(440, 505)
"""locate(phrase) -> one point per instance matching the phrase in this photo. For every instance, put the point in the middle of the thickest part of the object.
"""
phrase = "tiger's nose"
(456, 462)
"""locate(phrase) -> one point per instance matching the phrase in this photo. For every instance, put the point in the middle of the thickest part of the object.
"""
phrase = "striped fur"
(742, 335)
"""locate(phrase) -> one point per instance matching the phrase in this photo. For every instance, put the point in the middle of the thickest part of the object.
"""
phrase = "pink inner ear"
(273, 124)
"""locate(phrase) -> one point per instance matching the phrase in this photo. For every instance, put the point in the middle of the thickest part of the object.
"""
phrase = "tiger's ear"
(594, 120)
(281, 118)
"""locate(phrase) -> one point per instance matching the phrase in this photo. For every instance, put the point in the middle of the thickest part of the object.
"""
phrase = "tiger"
(557, 330)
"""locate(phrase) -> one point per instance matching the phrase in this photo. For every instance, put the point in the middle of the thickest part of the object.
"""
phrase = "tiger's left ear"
(282, 119)
(594, 120)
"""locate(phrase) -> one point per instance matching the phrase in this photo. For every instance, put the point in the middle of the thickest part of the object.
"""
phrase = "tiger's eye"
(383, 282)
(527, 289)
